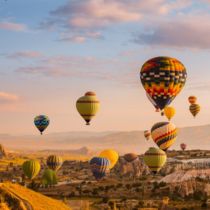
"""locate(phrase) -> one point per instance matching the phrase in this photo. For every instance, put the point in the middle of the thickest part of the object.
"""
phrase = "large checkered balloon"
(163, 78)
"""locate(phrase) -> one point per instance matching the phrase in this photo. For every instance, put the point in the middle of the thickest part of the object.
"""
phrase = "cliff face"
(190, 187)
(133, 169)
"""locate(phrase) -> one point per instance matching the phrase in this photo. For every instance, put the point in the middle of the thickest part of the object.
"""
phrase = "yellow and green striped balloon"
(54, 162)
(31, 168)
(195, 109)
(155, 159)
(49, 177)
(88, 106)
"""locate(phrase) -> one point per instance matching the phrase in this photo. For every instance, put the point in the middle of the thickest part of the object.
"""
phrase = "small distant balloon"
(99, 167)
(192, 99)
(41, 122)
(169, 112)
(147, 134)
(31, 168)
(54, 162)
(194, 109)
(88, 106)
(111, 155)
(183, 146)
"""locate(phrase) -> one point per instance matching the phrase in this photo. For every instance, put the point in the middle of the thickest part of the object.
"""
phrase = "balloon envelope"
(164, 134)
(183, 146)
(155, 159)
(169, 112)
(41, 122)
(54, 162)
(49, 177)
(88, 106)
(31, 168)
(163, 78)
(195, 109)
(192, 99)
(99, 167)
(147, 134)
(111, 155)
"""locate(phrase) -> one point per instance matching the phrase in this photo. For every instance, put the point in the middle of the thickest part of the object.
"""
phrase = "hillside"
(18, 197)
(197, 137)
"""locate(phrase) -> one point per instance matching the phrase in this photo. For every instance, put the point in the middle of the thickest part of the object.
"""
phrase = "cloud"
(81, 67)
(78, 18)
(185, 31)
(11, 26)
(24, 54)
(8, 98)
(80, 38)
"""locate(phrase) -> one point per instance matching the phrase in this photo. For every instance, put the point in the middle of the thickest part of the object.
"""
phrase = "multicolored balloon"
(88, 106)
(99, 167)
(169, 112)
(163, 78)
(111, 155)
(31, 168)
(147, 134)
(49, 177)
(153, 102)
(130, 157)
(195, 109)
(54, 162)
(164, 134)
(183, 146)
(41, 122)
(155, 159)
(192, 99)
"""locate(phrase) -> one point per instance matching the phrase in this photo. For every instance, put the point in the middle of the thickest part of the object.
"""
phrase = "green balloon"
(49, 177)
(31, 168)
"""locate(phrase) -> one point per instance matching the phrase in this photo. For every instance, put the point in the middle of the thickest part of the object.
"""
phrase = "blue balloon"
(99, 166)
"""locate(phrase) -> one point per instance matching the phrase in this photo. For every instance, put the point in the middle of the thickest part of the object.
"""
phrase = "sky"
(52, 52)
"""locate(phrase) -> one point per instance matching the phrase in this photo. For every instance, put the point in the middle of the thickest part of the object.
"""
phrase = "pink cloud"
(185, 31)
(11, 26)
(25, 54)
(6, 98)
(76, 18)
(80, 38)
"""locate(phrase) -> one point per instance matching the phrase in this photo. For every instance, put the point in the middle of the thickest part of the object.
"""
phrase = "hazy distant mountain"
(133, 141)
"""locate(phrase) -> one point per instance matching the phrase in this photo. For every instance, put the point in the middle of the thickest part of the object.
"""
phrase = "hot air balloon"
(183, 146)
(111, 155)
(169, 112)
(192, 99)
(147, 134)
(195, 109)
(54, 162)
(153, 102)
(31, 168)
(99, 166)
(164, 134)
(155, 159)
(163, 78)
(2, 152)
(41, 122)
(130, 157)
(49, 177)
(88, 106)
